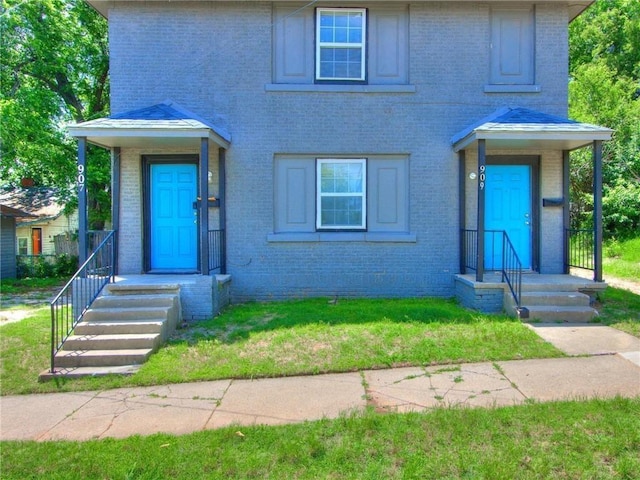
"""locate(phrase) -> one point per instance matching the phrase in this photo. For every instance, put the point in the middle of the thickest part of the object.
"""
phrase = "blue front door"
(508, 208)
(173, 220)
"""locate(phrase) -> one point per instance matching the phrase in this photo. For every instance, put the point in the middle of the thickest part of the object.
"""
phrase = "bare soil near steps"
(15, 307)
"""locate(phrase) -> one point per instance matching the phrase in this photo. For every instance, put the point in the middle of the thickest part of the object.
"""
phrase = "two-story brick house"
(345, 148)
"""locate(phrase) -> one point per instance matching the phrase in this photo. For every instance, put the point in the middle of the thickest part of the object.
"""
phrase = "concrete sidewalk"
(609, 365)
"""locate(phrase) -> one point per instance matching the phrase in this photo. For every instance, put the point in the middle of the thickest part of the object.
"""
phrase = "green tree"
(604, 89)
(54, 70)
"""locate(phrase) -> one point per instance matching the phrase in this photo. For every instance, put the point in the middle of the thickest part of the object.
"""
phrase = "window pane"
(326, 19)
(355, 20)
(341, 35)
(326, 34)
(326, 70)
(355, 36)
(341, 19)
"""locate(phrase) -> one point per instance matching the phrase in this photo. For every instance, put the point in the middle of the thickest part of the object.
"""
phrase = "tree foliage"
(54, 71)
(605, 89)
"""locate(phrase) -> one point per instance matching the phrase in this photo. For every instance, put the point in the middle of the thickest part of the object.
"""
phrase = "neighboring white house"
(35, 235)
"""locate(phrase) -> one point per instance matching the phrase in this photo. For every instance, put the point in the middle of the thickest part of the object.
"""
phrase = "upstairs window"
(343, 46)
(342, 194)
(340, 44)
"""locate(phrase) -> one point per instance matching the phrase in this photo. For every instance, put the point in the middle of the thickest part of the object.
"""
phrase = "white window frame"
(362, 44)
(320, 194)
(26, 245)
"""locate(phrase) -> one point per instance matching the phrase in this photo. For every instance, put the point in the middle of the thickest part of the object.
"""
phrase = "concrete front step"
(564, 299)
(78, 372)
(133, 301)
(122, 329)
(131, 327)
(124, 313)
(101, 358)
(554, 313)
(126, 341)
(141, 289)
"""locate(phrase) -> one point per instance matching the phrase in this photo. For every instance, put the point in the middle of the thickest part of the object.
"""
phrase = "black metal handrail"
(217, 251)
(511, 269)
(500, 256)
(469, 252)
(75, 298)
(579, 245)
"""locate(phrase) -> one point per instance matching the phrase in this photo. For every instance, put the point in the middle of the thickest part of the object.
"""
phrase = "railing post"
(82, 200)
(462, 207)
(566, 220)
(204, 206)
(597, 211)
(482, 179)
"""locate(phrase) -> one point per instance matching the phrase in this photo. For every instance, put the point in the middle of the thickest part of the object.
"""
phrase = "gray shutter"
(388, 198)
(293, 45)
(512, 47)
(388, 46)
(294, 195)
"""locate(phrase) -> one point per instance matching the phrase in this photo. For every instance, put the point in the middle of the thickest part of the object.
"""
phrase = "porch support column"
(222, 183)
(482, 178)
(566, 220)
(461, 209)
(597, 210)
(204, 206)
(82, 200)
(115, 198)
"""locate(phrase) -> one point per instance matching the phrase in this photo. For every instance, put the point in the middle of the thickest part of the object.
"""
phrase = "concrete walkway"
(608, 364)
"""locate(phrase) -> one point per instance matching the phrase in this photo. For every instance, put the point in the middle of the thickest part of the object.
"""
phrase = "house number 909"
(483, 176)
(81, 178)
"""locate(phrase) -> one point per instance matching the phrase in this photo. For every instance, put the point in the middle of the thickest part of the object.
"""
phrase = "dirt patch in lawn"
(18, 306)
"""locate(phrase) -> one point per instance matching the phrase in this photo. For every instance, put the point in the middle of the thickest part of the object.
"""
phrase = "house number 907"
(483, 176)
(80, 178)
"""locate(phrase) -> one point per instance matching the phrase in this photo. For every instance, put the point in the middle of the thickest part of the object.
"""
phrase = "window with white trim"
(23, 246)
(341, 194)
(341, 43)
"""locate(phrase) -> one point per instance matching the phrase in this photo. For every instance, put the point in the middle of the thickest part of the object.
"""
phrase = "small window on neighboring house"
(23, 246)
(342, 193)
(340, 44)
(512, 47)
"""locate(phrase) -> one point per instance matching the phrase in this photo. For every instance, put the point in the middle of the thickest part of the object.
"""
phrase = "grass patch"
(293, 338)
(620, 309)
(622, 259)
(22, 286)
(591, 439)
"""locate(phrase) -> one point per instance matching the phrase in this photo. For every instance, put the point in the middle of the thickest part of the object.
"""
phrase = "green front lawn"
(620, 309)
(596, 439)
(622, 259)
(292, 338)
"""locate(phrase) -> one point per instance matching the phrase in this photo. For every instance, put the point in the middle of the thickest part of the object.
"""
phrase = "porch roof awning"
(516, 128)
(163, 125)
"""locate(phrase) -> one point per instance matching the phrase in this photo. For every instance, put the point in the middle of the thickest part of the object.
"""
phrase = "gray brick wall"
(214, 59)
